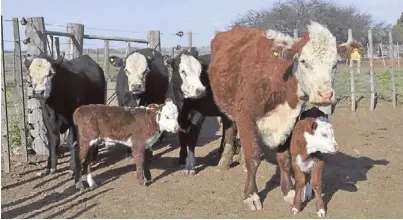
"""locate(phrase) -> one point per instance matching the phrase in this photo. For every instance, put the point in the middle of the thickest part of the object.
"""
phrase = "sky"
(133, 18)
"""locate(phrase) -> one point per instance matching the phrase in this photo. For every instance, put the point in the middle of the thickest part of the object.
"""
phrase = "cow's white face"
(136, 69)
(168, 120)
(41, 73)
(190, 70)
(317, 61)
(322, 139)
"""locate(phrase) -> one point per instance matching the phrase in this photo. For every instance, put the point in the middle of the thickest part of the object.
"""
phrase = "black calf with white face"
(186, 75)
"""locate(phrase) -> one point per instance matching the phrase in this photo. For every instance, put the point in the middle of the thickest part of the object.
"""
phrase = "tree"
(397, 30)
(286, 16)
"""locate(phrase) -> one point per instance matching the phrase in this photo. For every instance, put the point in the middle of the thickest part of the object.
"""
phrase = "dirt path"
(364, 181)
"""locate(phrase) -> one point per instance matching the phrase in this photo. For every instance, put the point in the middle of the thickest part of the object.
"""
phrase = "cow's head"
(186, 74)
(315, 60)
(136, 67)
(168, 117)
(41, 70)
(320, 137)
(345, 49)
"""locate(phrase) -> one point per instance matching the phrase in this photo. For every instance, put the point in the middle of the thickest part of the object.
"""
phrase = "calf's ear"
(314, 126)
(116, 61)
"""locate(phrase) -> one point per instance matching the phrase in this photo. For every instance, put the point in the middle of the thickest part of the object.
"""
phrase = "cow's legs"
(191, 140)
(284, 162)
(54, 141)
(227, 143)
(252, 155)
(72, 143)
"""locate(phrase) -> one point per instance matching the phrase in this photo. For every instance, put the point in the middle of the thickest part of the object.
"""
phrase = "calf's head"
(320, 137)
(168, 117)
(41, 70)
(315, 60)
(136, 67)
(186, 74)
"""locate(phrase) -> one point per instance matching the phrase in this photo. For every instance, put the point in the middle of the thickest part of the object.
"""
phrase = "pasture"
(362, 181)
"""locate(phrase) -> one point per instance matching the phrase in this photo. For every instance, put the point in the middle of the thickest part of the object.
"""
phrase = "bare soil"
(363, 181)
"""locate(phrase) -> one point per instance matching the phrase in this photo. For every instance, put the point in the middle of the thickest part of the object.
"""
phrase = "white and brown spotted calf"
(135, 127)
(312, 136)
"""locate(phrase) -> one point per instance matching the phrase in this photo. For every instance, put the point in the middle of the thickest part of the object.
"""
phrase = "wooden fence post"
(392, 69)
(106, 58)
(52, 54)
(154, 40)
(173, 52)
(97, 55)
(383, 58)
(295, 34)
(35, 29)
(398, 56)
(75, 44)
(20, 88)
(57, 46)
(5, 147)
(128, 49)
(371, 69)
(352, 82)
(190, 40)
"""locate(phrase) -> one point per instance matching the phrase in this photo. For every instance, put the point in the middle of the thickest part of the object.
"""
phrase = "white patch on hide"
(152, 140)
(168, 118)
(135, 67)
(108, 141)
(90, 180)
(190, 70)
(41, 73)
(275, 126)
(322, 139)
(305, 166)
(316, 62)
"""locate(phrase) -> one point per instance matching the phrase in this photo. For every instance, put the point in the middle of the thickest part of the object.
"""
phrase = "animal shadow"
(342, 172)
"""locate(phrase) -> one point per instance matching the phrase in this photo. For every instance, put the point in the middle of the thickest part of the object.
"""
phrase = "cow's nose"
(39, 92)
(336, 147)
(326, 95)
(136, 87)
(199, 91)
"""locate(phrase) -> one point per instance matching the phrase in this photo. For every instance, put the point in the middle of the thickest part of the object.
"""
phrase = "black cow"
(192, 112)
(143, 79)
(62, 86)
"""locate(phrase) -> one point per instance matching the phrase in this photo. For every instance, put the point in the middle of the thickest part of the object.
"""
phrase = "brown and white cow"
(136, 127)
(312, 137)
(345, 49)
(261, 81)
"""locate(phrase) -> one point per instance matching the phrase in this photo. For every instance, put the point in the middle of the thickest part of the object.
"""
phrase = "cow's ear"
(170, 61)
(116, 61)
(343, 49)
(27, 62)
(60, 59)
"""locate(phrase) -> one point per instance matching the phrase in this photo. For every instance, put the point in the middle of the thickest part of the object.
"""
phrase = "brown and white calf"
(135, 127)
(312, 137)
(261, 80)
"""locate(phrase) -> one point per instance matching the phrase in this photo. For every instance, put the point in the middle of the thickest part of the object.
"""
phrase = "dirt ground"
(362, 181)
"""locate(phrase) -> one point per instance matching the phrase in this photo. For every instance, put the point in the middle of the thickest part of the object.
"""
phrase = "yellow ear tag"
(111, 59)
(275, 54)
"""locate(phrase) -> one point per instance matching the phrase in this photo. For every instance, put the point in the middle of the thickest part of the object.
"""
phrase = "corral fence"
(378, 75)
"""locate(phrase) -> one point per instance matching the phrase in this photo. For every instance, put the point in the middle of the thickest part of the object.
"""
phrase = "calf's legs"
(284, 162)
(143, 174)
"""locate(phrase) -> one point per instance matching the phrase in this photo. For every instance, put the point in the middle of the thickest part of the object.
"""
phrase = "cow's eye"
(302, 61)
(324, 135)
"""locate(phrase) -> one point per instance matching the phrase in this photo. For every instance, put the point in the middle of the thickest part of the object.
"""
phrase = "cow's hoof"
(224, 164)
(80, 186)
(294, 211)
(253, 202)
(43, 173)
(289, 198)
(321, 213)
(53, 171)
(189, 172)
(93, 186)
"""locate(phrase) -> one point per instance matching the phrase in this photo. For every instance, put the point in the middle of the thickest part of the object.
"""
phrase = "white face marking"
(168, 120)
(190, 70)
(305, 166)
(316, 63)
(136, 69)
(41, 72)
(276, 125)
(323, 139)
